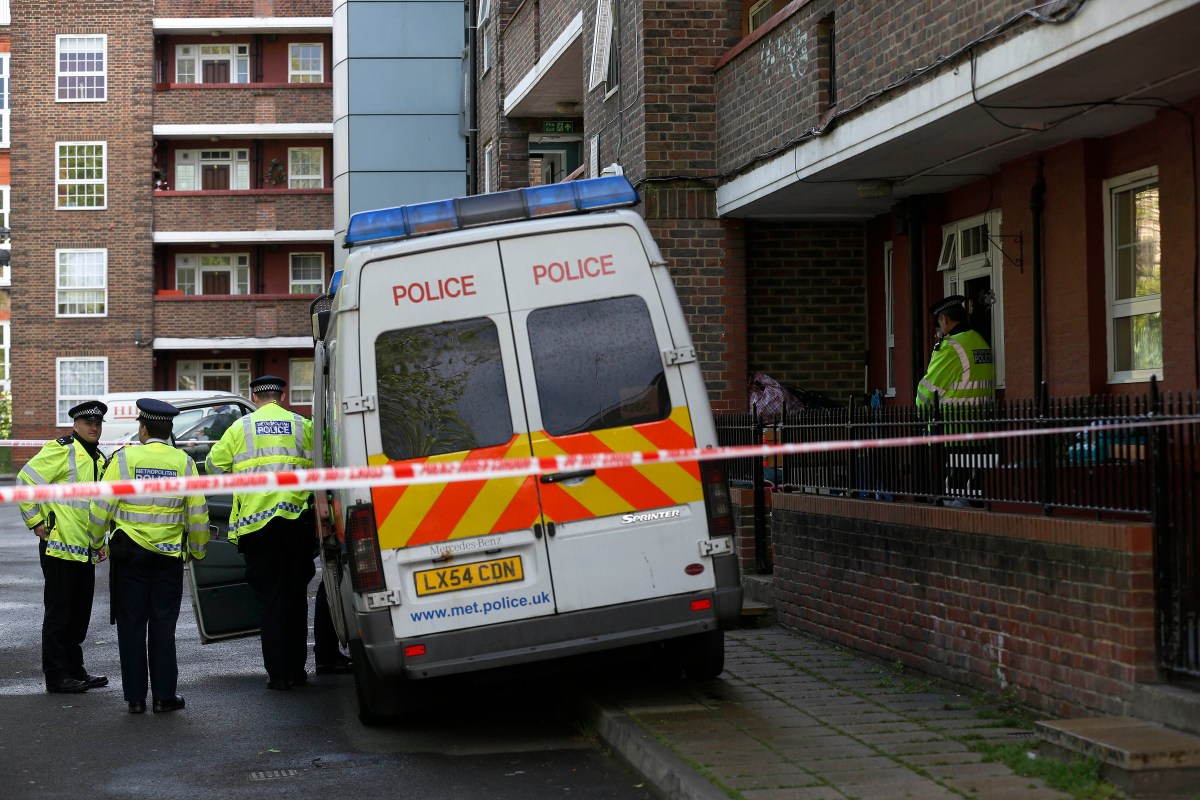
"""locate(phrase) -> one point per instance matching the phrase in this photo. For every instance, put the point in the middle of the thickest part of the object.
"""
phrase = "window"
(759, 13)
(213, 273)
(602, 40)
(300, 382)
(5, 16)
(971, 263)
(80, 181)
(212, 63)
(612, 76)
(212, 170)
(214, 376)
(306, 168)
(79, 379)
(489, 158)
(594, 156)
(5, 271)
(1133, 267)
(308, 273)
(82, 68)
(597, 365)
(5, 384)
(82, 287)
(5, 111)
(306, 63)
(441, 389)
(889, 312)
(485, 46)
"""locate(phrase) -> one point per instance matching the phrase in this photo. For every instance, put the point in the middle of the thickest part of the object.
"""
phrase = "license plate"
(469, 576)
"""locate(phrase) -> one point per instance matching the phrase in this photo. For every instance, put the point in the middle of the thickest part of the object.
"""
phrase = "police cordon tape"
(452, 471)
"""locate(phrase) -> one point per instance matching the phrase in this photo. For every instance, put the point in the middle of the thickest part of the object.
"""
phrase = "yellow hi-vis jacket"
(961, 374)
(155, 522)
(272, 439)
(64, 460)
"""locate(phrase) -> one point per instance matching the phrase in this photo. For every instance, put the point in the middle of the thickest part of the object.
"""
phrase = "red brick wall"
(256, 315)
(806, 286)
(296, 209)
(1059, 613)
(242, 8)
(196, 104)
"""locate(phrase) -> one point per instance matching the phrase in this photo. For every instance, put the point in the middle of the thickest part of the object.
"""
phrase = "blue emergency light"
(571, 197)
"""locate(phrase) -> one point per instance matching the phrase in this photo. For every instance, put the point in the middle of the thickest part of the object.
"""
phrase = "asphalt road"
(509, 739)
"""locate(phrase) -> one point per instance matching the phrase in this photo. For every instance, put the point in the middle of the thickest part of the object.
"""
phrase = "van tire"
(379, 702)
(703, 655)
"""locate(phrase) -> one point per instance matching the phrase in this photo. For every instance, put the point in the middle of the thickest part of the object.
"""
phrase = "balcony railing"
(1107, 471)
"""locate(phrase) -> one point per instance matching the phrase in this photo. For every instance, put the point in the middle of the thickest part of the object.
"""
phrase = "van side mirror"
(320, 310)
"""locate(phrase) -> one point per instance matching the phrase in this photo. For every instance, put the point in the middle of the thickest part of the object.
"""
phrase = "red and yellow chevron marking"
(429, 513)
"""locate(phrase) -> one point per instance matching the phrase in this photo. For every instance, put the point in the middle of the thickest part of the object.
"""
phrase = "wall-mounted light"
(5, 233)
(137, 337)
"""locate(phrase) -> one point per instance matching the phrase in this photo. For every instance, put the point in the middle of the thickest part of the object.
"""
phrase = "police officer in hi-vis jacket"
(271, 529)
(68, 561)
(151, 537)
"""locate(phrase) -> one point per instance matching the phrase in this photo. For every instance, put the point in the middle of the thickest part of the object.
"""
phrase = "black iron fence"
(1122, 472)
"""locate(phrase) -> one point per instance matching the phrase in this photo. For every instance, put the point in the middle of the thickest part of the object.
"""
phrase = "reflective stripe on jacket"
(272, 439)
(63, 460)
(155, 522)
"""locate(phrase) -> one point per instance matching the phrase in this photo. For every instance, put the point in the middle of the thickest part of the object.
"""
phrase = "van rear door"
(591, 332)
(443, 372)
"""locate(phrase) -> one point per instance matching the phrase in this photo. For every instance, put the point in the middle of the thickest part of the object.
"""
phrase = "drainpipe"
(1037, 207)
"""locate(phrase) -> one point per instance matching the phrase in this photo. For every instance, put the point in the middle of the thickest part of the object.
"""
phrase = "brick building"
(174, 174)
(817, 173)
(5, 268)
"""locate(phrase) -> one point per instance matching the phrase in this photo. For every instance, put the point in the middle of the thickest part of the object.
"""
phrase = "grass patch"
(1079, 778)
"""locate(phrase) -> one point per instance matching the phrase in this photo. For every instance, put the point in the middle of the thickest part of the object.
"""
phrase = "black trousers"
(326, 647)
(68, 593)
(147, 590)
(279, 565)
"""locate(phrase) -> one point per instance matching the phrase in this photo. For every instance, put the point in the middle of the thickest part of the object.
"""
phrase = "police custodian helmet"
(89, 409)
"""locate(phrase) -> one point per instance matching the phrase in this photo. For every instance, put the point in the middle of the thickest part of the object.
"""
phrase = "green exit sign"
(558, 126)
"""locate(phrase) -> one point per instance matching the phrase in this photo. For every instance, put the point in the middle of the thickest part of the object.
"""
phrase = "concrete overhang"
(232, 343)
(556, 78)
(241, 237)
(1049, 85)
(217, 26)
(296, 130)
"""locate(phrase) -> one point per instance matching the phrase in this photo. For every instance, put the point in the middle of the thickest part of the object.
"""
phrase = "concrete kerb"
(671, 776)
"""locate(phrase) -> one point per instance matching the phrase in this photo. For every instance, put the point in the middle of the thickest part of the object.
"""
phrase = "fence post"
(1045, 451)
(762, 562)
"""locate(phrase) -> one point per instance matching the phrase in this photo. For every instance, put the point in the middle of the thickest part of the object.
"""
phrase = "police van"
(534, 322)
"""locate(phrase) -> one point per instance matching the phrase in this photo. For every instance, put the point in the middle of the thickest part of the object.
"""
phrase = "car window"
(196, 430)
(441, 389)
(597, 365)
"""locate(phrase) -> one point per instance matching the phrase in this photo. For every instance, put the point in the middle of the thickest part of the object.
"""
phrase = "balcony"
(252, 210)
(198, 104)
(237, 317)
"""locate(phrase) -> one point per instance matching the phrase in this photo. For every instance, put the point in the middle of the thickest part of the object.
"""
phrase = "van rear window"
(597, 365)
(441, 389)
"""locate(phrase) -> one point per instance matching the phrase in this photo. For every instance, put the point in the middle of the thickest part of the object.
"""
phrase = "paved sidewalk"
(798, 719)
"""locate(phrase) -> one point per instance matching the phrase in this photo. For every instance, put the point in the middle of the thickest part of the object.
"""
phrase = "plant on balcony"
(160, 181)
(275, 172)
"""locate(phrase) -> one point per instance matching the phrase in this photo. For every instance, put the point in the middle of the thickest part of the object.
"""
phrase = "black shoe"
(94, 681)
(138, 707)
(340, 665)
(67, 686)
(278, 684)
(173, 704)
(299, 679)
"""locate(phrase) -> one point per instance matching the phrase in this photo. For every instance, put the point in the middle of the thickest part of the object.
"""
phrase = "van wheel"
(703, 655)
(379, 702)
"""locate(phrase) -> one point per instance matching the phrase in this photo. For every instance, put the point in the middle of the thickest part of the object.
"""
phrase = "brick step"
(1143, 759)
(753, 608)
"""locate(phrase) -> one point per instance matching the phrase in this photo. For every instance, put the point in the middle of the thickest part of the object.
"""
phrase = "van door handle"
(550, 529)
(559, 477)
(537, 530)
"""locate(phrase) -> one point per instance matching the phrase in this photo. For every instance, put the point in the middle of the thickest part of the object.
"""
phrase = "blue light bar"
(335, 282)
(572, 197)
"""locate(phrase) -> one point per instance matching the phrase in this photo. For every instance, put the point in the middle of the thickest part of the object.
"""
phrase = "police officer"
(961, 376)
(272, 529)
(68, 562)
(152, 535)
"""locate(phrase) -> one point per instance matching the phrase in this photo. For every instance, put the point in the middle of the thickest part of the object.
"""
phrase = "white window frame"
(5, 269)
(100, 47)
(489, 158)
(238, 58)
(486, 55)
(1115, 309)
(237, 267)
(189, 375)
(5, 355)
(65, 401)
(299, 394)
(63, 293)
(5, 14)
(961, 269)
(293, 283)
(601, 42)
(5, 99)
(889, 314)
(61, 183)
(316, 75)
(189, 167)
(757, 13)
(302, 180)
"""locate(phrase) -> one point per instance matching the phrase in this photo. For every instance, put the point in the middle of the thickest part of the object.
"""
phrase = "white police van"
(534, 322)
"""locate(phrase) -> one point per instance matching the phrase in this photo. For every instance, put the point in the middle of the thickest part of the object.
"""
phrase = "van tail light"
(717, 504)
(362, 539)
